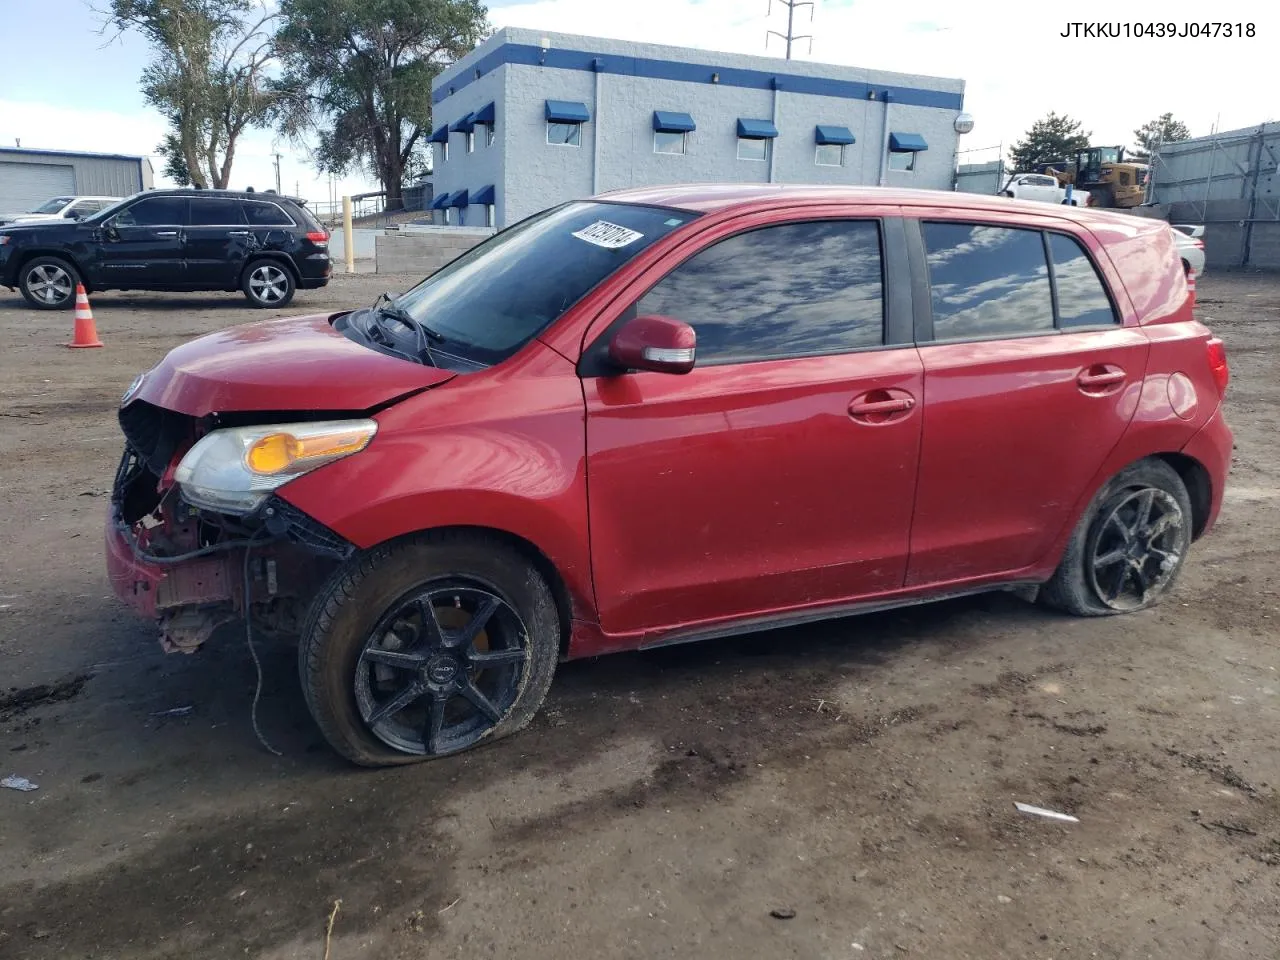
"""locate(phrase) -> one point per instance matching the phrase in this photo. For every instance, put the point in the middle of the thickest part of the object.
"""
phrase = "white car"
(1040, 186)
(59, 207)
(1190, 246)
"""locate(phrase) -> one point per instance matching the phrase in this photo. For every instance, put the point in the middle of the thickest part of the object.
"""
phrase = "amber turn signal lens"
(283, 452)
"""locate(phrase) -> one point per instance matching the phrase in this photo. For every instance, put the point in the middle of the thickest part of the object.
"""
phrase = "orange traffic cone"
(1191, 286)
(86, 334)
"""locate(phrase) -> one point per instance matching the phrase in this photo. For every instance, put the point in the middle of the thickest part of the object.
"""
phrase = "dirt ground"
(861, 774)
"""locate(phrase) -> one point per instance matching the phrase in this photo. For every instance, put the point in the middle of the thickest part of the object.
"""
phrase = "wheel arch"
(1196, 478)
(518, 544)
(274, 255)
(28, 255)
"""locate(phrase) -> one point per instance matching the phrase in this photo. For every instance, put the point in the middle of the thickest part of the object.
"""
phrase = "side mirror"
(659, 344)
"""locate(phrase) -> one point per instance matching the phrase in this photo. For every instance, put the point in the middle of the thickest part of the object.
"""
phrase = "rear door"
(141, 246)
(217, 241)
(1031, 378)
(774, 476)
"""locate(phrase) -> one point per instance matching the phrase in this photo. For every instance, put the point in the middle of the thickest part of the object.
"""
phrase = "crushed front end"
(194, 566)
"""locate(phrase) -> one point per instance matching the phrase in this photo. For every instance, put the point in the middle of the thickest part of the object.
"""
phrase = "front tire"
(1129, 547)
(49, 283)
(268, 283)
(428, 647)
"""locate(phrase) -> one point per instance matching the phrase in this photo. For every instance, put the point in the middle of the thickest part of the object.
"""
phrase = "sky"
(66, 85)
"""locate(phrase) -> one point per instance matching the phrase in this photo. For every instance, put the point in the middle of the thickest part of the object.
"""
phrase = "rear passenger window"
(987, 281)
(215, 212)
(1082, 298)
(794, 290)
(262, 214)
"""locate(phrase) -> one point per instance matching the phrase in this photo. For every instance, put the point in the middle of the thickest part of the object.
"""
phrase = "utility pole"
(277, 156)
(790, 35)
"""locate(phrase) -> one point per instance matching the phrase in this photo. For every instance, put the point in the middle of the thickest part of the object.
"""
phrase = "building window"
(667, 141)
(444, 151)
(471, 142)
(902, 161)
(564, 134)
(490, 215)
(829, 155)
(750, 148)
(488, 135)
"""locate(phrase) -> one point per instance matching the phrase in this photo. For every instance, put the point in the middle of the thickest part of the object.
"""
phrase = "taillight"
(1197, 242)
(318, 236)
(1217, 355)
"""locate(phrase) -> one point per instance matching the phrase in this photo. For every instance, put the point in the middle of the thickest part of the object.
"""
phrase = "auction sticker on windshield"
(607, 235)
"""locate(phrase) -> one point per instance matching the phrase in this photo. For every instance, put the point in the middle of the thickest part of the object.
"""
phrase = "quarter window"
(829, 155)
(750, 148)
(262, 214)
(216, 213)
(564, 134)
(987, 281)
(793, 290)
(155, 212)
(1082, 298)
(667, 141)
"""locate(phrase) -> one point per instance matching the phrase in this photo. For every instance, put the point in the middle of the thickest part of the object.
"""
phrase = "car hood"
(30, 217)
(300, 364)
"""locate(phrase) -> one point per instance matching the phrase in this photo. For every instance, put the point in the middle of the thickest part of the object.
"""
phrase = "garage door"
(26, 185)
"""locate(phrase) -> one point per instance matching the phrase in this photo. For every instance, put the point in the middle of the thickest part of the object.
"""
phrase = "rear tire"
(1129, 547)
(49, 283)
(382, 680)
(268, 284)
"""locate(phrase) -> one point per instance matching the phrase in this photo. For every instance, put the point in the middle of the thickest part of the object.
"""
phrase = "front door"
(780, 472)
(1030, 381)
(142, 245)
(217, 241)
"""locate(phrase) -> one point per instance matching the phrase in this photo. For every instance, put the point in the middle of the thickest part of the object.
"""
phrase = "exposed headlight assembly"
(233, 471)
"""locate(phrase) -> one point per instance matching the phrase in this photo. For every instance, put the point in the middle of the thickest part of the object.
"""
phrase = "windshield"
(53, 206)
(504, 292)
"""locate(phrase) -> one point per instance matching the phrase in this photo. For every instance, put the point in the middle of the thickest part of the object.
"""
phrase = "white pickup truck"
(1040, 186)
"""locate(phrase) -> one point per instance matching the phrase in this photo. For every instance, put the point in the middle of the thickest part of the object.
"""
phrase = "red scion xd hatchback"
(668, 414)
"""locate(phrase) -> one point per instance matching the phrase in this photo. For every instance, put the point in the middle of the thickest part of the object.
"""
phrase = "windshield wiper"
(387, 307)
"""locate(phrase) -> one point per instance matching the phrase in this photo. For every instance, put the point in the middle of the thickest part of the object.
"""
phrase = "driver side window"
(154, 212)
(791, 290)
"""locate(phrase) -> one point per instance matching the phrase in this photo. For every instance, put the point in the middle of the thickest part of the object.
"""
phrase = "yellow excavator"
(1103, 172)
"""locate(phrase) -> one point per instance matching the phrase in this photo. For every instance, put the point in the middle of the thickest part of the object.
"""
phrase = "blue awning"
(666, 122)
(906, 143)
(567, 111)
(440, 202)
(755, 129)
(484, 115)
(828, 133)
(465, 125)
(458, 199)
(440, 136)
(483, 195)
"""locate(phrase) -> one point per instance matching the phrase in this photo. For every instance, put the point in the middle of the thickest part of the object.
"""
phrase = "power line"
(790, 35)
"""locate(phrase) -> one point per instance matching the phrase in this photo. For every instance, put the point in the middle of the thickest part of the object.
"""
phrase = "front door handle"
(237, 233)
(1100, 378)
(864, 407)
(166, 233)
(881, 406)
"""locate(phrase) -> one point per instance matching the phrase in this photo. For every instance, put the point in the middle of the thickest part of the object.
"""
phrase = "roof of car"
(233, 194)
(709, 197)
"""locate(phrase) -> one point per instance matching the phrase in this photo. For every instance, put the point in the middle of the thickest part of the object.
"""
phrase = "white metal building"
(29, 177)
(528, 120)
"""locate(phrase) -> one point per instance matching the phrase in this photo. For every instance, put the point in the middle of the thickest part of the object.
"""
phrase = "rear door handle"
(1099, 377)
(166, 233)
(237, 233)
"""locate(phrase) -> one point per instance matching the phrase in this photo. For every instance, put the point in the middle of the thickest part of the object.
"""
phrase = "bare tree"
(207, 76)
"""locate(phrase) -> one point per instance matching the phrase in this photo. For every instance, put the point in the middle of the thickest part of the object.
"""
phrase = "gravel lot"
(861, 773)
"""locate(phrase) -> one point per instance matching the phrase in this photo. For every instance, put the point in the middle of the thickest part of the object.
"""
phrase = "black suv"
(264, 244)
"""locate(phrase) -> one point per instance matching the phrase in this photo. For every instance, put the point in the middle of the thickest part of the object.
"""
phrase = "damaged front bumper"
(192, 573)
